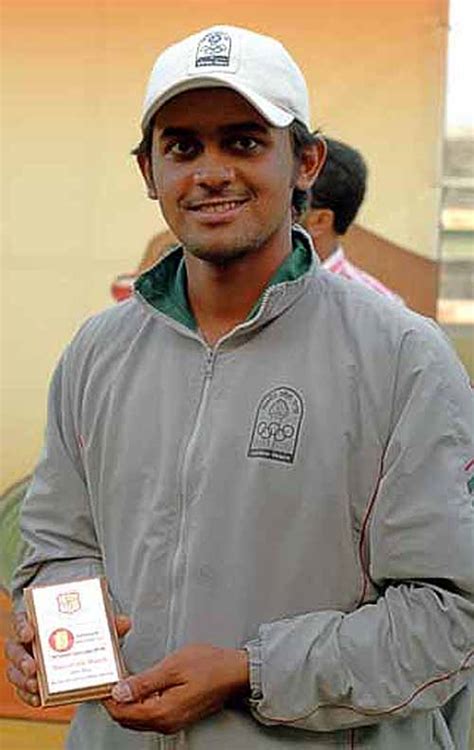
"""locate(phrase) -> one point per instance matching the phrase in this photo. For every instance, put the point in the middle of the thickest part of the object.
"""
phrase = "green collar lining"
(164, 286)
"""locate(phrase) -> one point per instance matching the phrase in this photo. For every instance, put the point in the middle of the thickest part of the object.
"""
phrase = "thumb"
(122, 624)
(140, 686)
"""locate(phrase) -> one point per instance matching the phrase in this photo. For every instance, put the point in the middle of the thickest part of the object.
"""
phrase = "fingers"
(20, 658)
(21, 669)
(144, 716)
(122, 624)
(20, 681)
(140, 686)
(168, 713)
(22, 628)
(20, 673)
(29, 698)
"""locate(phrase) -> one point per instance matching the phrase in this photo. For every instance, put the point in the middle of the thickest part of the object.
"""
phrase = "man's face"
(224, 177)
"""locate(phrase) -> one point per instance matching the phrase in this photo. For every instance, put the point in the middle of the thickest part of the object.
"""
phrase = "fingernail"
(121, 693)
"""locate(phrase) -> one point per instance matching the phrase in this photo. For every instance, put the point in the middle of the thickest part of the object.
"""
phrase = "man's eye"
(181, 149)
(244, 143)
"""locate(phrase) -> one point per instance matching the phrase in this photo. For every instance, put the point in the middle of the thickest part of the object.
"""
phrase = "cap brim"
(276, 116)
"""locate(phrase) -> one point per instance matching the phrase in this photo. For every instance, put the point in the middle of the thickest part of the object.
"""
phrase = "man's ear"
(319, 221)
(311, 163)
(144, 163)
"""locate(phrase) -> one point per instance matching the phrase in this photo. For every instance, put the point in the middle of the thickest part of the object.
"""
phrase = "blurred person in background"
(122, 286)
(334, 202)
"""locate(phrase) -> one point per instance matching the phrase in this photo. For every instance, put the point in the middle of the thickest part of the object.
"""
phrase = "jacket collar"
(162, 288)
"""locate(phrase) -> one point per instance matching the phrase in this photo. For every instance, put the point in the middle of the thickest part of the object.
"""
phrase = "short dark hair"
(300, 136)
(341, 184)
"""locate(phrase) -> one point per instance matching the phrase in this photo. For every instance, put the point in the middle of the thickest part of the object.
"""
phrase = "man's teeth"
(217, 208)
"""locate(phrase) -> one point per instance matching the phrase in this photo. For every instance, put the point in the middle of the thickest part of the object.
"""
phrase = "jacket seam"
(125, 356)
(363, 532)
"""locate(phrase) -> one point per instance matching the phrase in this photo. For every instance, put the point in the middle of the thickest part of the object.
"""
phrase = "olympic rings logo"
(275, 431)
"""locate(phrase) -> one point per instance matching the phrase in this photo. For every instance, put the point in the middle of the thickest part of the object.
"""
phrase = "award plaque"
(76, 646)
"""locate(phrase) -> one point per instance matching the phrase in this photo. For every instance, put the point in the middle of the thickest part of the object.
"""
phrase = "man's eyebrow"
(173, 132)
(247, 127)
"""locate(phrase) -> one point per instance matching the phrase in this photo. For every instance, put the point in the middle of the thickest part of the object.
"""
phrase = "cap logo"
(214, 50)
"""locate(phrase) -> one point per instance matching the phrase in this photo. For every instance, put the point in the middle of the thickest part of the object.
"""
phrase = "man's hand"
(186, 686)
(21, 669)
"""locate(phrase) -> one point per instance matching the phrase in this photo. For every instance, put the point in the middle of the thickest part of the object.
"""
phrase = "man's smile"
(221, 204)
(216, 210)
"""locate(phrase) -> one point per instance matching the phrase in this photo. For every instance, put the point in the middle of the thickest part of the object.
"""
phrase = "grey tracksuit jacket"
(301, 489)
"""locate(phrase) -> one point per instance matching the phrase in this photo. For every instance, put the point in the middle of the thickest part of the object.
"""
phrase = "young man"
(335, 199)
(266, 462)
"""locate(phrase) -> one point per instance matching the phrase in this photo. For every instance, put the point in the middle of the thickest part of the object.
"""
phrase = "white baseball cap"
(256, 66)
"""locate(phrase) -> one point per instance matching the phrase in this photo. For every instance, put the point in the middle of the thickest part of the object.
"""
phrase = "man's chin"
(222, 253)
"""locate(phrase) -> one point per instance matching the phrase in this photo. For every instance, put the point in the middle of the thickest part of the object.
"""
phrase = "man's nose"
(213, 175)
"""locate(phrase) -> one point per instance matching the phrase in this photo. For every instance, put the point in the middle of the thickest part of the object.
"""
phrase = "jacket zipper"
(179, 741)
(208, 370)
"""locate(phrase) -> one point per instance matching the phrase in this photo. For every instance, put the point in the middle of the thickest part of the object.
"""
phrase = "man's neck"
(222, 296)
(326, 245)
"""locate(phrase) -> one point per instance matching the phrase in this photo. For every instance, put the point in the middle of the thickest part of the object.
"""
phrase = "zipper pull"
(209, 364)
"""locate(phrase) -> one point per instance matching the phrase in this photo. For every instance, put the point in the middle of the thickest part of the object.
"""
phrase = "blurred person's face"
(223, 176)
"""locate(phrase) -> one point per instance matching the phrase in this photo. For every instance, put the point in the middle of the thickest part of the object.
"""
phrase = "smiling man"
(267, 462)
(225, 184)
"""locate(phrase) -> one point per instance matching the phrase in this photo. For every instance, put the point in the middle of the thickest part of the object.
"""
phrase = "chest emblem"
(276, 426)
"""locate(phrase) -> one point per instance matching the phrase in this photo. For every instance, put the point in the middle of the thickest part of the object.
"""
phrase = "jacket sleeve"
(56, 522)
(412, 647)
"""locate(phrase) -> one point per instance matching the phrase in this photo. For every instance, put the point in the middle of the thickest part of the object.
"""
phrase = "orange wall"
(73, 209)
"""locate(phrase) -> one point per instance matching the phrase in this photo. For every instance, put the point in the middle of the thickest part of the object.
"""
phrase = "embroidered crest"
(69, 602)
(214, 50)
(277, 425)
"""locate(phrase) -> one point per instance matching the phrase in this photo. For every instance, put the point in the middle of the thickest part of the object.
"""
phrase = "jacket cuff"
(254, 651)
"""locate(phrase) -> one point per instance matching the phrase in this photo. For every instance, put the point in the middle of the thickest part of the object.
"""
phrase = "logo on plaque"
(69, 602)
(61, 640)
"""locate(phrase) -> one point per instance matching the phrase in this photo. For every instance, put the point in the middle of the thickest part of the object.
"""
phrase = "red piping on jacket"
(365, 523)
(469, 465)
